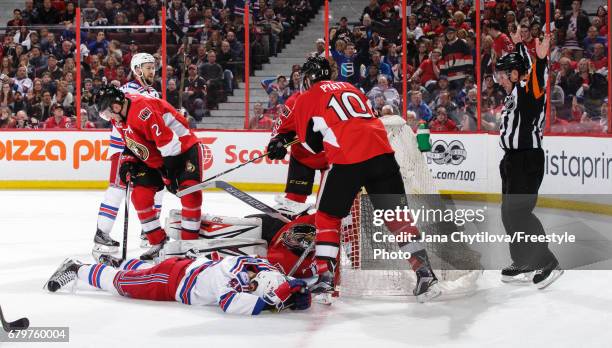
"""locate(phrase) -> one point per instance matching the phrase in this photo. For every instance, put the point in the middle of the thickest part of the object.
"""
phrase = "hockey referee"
(522, 167)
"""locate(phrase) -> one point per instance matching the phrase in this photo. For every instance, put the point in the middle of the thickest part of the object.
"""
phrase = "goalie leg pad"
(143, 201)
(191, 212)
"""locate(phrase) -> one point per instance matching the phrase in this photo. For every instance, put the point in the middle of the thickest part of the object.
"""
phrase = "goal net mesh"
(456, 266)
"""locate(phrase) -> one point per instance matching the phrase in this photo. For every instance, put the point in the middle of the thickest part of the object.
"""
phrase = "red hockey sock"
(296, 197)
(142, 199)
(191, 214)
(327, 241)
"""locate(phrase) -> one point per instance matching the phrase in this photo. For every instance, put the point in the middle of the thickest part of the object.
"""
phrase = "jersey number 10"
(344, 109)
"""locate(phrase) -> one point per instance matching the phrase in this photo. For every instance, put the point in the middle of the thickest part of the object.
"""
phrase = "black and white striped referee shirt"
(524, 111)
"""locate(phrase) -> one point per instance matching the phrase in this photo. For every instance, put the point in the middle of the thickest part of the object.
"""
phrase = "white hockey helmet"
(138, 60)
(266, 281)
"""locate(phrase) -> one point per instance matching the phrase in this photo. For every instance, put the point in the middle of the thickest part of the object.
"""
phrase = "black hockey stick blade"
(19, 324)
(250, 200)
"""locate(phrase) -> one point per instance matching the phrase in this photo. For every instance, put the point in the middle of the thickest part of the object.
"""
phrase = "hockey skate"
(426, 288)
(144, 242)
(290, 208)
(66, 273)
(325, 283)
(153, 252)
(517, 274)
(547, 275)
(110, 260)
(104, 244)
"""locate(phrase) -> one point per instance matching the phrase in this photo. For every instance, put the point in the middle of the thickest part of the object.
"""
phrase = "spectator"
(370, 80)
(344, 56)
(18, 102)
(30, 13)
(444, 100)
(22, 120)
(259, 120)
(229, 63)
(127, 56)
(421, 109)
(413, 27)
(195, 88)
(59, 120)
(383, 67)
(387, 110)
(390, 94)
(235, 46)
(411, 120)
(458, 60)
(21, 82)
(319, 48)
(577, 24)
(295, 82)
(99, 45)
(273, 102)
(442, 123)
(501, 42)
(214, 75)
(6, 95)
(598, 58)
(172, 95)
(17, 20)
(47, 15)
(85, 122)
(591, 40)
(429, 70)
(6, 118)
(43, 109)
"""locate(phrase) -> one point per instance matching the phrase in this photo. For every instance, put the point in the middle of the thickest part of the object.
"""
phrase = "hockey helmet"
(512, 61)
(106, 97)
(266, 281)
(137, 61)
(315, 69)
(299, 237)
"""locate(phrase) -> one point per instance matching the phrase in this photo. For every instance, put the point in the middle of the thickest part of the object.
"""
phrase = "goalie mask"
(298, 238)
(266, 281)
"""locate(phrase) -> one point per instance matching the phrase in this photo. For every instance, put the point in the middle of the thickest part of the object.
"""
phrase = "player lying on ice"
(238, 284)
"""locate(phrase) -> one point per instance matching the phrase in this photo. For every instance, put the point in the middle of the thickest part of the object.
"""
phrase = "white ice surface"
(39, 229)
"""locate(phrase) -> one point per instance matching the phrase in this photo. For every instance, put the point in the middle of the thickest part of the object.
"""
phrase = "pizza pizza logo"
(145, 114)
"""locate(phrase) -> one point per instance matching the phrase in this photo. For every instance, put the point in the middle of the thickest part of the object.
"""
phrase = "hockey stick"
(250, 200)
(204, 183)
(126, 214)
(301, 259)
(19, 324)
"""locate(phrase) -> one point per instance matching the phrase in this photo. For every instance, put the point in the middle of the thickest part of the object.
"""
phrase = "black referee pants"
(522, 173)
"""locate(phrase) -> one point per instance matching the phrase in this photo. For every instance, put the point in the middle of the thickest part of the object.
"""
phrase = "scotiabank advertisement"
(458, 162)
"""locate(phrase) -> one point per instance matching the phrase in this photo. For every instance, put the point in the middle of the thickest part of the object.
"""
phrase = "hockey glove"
(301, 300)
(277, 146)
(281, 297)
(128, 168)
(172, 168)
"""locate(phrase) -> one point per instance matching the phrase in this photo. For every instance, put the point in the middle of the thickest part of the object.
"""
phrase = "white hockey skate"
(290, 208)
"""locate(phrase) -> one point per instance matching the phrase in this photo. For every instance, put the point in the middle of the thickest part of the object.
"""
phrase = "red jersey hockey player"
(338, 118)
(158, 143)
(238, 284)
(143, 70)
(302, 163)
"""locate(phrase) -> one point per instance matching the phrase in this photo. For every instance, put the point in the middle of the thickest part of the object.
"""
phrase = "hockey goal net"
(456, 266)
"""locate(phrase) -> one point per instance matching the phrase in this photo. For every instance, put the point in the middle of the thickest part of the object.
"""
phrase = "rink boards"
(459, 162)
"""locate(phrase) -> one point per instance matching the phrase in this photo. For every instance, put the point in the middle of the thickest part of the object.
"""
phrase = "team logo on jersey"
(145, 114)
(447, 153)
(137, 149)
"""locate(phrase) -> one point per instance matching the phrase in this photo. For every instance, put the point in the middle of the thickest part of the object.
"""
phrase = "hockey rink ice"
(41, 228)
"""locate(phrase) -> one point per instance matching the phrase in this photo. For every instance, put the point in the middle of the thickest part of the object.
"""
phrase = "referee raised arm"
(522, 167)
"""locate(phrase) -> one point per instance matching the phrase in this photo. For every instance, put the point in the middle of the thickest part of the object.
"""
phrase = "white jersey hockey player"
(238, 284)
(143, 71)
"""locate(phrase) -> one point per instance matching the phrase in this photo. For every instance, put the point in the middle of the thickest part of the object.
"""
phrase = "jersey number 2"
(344, 109)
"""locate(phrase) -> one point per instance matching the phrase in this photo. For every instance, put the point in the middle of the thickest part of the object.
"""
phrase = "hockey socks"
(143, 201)
(327, 241)
(191, 213)
(99, 276)
(109, 208)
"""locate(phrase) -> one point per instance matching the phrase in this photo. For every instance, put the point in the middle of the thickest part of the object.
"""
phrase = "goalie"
(239, 284)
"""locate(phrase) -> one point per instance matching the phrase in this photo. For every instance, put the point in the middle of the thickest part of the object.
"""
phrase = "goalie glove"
(277, 146)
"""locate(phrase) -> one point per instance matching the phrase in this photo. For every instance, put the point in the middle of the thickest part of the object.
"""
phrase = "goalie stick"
(250, 200)
(204, 183)
(19, 324)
